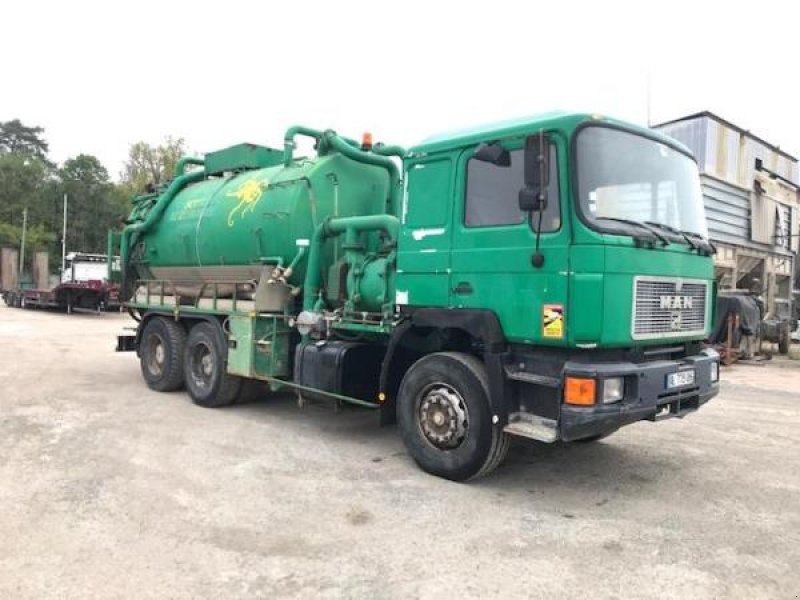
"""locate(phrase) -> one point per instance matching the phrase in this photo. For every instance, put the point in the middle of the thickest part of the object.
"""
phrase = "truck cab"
(602, 292)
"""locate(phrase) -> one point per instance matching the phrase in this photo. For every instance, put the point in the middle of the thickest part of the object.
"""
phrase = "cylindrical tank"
(225, 228)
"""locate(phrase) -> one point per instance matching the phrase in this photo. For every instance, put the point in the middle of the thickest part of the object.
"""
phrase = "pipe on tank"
(389, 150)
(288, 140)
(180, 167)
(345, 147)
(296, 130)
(175, 186)
(332, 228)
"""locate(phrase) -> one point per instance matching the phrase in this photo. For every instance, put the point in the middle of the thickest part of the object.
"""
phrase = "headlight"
(613, 390)
(714, 371)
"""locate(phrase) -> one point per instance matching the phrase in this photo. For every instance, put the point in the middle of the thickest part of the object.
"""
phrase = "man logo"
(675, 302)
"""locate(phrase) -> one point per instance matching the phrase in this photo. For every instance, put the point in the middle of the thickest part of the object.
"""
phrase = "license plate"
(680, 379)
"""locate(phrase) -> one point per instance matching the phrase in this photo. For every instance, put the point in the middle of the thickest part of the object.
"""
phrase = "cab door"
(493, 243)
(423, 256)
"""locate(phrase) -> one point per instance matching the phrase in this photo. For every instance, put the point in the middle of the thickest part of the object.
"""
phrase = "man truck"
(547, 277)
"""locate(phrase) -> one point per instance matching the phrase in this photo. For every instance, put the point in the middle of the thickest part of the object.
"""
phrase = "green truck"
(547, 277)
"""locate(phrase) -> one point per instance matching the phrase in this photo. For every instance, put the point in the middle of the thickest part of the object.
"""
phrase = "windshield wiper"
(692, 244)
(695, 240)
(652, 231)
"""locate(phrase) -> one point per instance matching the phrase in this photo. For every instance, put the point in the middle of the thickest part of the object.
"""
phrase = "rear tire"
(444, 415)
(784, 338)
(161, 354)
(205, 363)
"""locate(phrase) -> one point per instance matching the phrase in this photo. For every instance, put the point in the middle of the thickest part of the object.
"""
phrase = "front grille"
(665, 307)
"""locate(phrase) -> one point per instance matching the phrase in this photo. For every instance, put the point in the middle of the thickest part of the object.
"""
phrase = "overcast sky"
(98, 76)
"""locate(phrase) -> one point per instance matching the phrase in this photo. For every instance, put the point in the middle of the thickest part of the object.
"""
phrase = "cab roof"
(458, 138)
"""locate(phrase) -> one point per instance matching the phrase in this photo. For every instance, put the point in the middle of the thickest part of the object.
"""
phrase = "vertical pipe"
(22, 244)
(64, 238)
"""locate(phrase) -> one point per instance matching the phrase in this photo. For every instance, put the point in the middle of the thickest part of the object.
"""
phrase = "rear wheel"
(205, 363)
(161, 354)
(784, 338)
(444, 415)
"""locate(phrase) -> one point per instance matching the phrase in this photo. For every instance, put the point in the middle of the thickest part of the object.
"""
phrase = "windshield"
(622, 175)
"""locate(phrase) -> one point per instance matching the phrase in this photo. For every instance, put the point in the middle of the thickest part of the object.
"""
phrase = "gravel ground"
(110, 490)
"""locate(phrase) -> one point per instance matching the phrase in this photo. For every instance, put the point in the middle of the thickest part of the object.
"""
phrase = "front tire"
(205, 363)
(161, 354)
(444, 415)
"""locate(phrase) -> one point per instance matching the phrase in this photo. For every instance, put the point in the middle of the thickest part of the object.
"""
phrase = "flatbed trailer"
(90, 295)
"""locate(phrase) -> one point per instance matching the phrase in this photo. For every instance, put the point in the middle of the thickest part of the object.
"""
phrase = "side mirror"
(493, 153)
(533, 197)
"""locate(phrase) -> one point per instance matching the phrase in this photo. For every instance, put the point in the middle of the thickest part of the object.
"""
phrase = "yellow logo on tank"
(248, 194)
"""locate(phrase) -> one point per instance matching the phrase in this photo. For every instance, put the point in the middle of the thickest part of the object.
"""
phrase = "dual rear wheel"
(171, 359)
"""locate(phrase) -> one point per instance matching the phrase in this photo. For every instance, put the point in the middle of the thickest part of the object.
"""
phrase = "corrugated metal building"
(750, 189)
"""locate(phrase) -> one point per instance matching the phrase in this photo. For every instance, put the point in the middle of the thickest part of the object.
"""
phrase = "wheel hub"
(443, 417)
(156, 356)
(202, 363)
(207, 363)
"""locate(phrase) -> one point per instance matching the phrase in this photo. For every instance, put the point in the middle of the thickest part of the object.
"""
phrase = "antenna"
(649, 122)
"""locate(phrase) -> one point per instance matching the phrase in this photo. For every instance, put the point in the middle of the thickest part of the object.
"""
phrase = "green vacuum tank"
(245, 207)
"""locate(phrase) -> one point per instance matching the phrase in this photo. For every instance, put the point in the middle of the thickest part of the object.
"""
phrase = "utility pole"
(22, 244)
(64, 238)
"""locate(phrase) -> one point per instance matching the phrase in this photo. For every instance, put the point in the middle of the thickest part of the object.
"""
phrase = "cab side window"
(493, 191)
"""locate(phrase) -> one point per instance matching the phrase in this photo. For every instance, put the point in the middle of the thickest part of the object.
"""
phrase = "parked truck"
(84, 285)
(547, 277)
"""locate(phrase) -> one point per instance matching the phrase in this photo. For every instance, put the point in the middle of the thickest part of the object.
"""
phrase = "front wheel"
(444, 415)
(205, 364)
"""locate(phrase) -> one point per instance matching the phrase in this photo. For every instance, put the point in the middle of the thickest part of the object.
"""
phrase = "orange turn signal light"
(580, 391)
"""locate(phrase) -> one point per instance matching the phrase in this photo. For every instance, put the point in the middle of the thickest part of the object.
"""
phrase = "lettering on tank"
(190, 209)
(248, 193)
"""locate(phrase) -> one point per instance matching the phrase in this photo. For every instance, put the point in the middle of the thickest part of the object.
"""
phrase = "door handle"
(464, 288)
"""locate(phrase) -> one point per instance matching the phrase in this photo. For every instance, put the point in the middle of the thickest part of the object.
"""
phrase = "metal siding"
(693, 134)
(727, 212)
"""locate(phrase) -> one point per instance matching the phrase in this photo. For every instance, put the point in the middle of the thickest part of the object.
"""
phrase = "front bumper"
(646, 395)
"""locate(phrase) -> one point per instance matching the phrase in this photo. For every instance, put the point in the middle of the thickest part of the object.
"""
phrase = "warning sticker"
(553, 321)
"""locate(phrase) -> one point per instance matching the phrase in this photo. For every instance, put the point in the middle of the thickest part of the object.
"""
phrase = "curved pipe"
(175, 186)
(315, 134)
(288, 140)
(180, 167)
(344, 146)
(389, 150)
(332, 228)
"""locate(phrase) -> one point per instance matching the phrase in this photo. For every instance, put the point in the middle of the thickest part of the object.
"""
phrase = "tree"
(37, 237)
(21, 139)
(22, 182)
(95, 204)
(151, 164)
